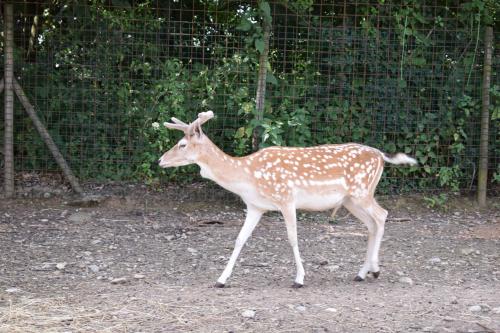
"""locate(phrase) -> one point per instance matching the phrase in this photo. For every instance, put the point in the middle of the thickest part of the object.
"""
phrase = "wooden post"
(261, 84)
(482, 176)
(8, 101)
(44, 134)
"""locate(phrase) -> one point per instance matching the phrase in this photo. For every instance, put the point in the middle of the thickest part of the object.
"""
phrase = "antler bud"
(203, 117)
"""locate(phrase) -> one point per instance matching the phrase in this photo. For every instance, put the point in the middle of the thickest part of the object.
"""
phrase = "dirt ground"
(146, 261)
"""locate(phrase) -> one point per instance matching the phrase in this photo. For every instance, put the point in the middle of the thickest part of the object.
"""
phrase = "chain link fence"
(102, 75)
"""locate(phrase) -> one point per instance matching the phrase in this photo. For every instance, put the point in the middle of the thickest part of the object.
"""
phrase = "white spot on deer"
(257, 174)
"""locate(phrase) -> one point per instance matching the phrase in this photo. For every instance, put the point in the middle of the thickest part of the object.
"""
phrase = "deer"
(286, 179)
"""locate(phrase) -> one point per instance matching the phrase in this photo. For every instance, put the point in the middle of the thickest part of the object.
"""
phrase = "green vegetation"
(399, 77)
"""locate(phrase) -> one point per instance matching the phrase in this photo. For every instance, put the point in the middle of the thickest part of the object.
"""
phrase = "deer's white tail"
(399, 158)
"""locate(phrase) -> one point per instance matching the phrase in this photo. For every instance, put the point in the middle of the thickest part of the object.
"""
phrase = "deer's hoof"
(358, 278)
(219, 285)
(376, 274)
(296, 285)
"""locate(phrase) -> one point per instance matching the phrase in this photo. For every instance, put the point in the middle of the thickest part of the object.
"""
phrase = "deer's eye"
(182, 145)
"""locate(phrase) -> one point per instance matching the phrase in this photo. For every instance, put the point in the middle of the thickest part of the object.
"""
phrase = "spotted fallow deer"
(291, 178)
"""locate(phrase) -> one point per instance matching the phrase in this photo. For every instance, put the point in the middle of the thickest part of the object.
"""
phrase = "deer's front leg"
(253, 217)
(289, 214)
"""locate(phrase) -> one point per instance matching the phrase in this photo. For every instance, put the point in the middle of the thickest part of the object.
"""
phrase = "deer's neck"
(221, 168)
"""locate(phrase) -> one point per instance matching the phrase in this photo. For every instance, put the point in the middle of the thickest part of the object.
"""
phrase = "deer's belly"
(318, 201)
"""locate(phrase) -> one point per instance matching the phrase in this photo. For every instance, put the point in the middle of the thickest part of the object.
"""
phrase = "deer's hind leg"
(373, 216)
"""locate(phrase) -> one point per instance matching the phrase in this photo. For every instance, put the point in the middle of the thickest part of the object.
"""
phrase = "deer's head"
(188, 149)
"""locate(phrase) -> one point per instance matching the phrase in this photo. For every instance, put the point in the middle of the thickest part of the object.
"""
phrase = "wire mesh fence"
(104, 76)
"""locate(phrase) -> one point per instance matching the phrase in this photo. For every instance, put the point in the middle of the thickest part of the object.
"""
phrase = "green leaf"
(244, 25)
(259, 45)
(401, 83)
(240, 133)
(270, 78)
(266, 10)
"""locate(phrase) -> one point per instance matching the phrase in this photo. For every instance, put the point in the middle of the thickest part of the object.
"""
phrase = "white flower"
(155, 125)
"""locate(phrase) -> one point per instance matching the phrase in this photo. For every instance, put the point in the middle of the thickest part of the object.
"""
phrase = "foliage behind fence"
(104, 76)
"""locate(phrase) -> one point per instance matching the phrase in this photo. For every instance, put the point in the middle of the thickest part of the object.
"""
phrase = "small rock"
(170, 237)
(47, 195)
(496, 310)
(331, 309)
(139, 276)
(406, 280)
(61, 265)
(248, 314)
(80, 217)
(46, 266)
(300, 308)
(332, 268)
(121, 280)
(94, 268)
(428, 329)
(467, 251)
(435, 260)
(192, 251)
(12, 290)
(475, 308)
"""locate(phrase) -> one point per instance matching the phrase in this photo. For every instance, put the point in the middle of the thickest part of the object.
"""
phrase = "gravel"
(144, 261)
